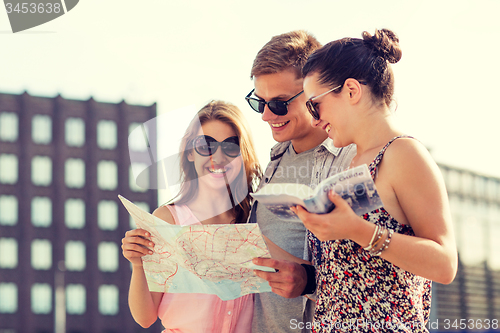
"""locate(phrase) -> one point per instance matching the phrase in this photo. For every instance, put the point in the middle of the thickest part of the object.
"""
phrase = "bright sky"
(180, 53)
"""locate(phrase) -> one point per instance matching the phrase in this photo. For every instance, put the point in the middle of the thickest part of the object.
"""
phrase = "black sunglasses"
(312, 106)
(206, 145)
(279, 108)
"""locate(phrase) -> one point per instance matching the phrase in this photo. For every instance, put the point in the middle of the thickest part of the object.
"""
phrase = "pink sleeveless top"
(203, 313)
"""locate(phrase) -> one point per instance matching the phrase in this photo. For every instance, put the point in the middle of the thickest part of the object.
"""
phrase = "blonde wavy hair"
(251, 171)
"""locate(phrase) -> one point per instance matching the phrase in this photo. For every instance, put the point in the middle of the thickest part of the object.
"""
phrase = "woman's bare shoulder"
(165, 214)
(407, 151)
(411, 167)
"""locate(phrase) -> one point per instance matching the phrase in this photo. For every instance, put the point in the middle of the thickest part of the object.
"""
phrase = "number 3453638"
(25, 8)
(472, 324)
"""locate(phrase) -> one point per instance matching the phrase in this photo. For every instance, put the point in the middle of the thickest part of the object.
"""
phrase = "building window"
(9, 126)
(479, 187)
(455, 208)
(41, 129)
(8, 253)
(7, 330)
(41, 212)
(41, 254)
(106, 134)
(8, 169)
(74, 253)
(453, 181)
(144, 206)
(471, 238)
(74, 129)
(8, 297)
(108, 300)
(74, 213)
(8, 210)
(41, 170)
(75, 299)
(137, 139)
(41, 298)
(74, 173)
(466, 180)
(139, 177)
(107, 215)
(107, 175)
(497, 195)
(493, 234)
(107, 258)
(492, 189)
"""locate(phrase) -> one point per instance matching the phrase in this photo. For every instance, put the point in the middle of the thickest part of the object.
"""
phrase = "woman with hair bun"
(374, 272)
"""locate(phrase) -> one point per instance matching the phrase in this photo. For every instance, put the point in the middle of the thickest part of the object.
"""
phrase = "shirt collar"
(281, 147)
(328, 144)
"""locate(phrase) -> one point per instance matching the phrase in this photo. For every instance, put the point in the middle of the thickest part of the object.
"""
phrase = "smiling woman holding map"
(219, 168)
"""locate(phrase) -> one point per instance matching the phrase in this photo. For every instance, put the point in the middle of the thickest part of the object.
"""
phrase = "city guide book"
(202, 258)
(355, 185)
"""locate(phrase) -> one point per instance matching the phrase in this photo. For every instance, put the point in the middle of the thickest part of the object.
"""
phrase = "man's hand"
(289, 280)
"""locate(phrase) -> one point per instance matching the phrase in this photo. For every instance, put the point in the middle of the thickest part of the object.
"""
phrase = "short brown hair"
(286, 51)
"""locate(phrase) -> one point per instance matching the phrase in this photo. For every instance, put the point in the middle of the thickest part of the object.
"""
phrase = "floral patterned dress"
(357, 292)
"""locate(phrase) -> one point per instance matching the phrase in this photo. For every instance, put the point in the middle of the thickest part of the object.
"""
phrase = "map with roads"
(209, 259)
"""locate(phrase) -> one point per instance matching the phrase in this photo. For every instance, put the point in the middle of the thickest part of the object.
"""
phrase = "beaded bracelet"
(385, 245)
(382, 239)
(379, 231)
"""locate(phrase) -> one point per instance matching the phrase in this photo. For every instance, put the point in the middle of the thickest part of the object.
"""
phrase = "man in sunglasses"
(304, 155)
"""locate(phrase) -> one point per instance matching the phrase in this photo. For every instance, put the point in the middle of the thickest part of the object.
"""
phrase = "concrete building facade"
(62, 165)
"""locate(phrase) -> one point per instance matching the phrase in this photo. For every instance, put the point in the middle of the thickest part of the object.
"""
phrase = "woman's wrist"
(363, 231)
(138, 266)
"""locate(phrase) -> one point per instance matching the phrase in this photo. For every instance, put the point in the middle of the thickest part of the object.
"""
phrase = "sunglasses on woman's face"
(279, 108)
(312, 106)
(206, 145)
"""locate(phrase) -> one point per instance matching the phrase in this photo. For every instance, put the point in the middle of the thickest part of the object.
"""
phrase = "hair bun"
(385, 43)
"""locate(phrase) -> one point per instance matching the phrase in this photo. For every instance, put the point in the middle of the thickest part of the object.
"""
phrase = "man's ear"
(353, 87)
